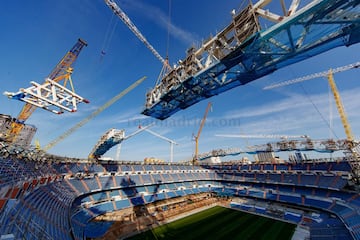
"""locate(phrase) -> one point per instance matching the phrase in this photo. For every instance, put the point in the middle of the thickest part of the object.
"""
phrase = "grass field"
(221, 223)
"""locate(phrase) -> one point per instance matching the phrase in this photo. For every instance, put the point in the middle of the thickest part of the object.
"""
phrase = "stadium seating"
(86, 190)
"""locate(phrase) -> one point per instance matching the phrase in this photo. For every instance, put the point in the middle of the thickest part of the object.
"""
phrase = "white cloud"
(162, 19)
(296, 115)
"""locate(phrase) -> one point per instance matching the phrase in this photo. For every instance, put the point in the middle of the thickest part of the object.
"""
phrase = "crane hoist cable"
(94, 114)
(166, 66)
(108, 36)
(127, 21)
(354, 156)
(329, 75)
(122, 15)
(168, 31)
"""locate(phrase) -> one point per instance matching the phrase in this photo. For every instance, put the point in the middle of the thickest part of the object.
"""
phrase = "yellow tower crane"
(340, 107)
(329, 75)
(354, 159)
(196, 138)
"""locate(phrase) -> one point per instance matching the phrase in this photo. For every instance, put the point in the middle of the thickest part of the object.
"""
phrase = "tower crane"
(352, 144)
(117, 157)
(94, 114)
(329, 76)
(196, 138)
(50, 94)
(166, 139)
(313, 76)
(108, 140)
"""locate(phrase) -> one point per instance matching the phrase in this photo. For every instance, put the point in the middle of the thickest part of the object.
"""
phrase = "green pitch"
(221, 223)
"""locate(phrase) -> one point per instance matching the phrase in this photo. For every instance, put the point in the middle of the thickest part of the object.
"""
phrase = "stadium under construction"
(48, 196)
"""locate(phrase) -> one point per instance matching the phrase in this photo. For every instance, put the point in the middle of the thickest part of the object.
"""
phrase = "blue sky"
(36, 35)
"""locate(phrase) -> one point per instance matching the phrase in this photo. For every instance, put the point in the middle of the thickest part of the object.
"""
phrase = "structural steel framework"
(50, 95)
(243, 52)
(321, 145)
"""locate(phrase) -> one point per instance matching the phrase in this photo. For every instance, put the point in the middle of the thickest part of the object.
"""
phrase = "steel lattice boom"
(353, 145)
(312, 76)
(93, 114)
(122, 15)
(243, 52)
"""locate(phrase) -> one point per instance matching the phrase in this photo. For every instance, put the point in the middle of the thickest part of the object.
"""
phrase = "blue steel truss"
(320, 27)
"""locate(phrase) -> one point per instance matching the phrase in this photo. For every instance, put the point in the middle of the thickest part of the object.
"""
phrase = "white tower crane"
(166, 139)
(118, 149)
(312, 76)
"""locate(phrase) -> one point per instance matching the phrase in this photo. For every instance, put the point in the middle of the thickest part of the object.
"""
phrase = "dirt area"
(131, 221)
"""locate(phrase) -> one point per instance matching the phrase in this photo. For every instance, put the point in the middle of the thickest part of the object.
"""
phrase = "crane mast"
(166, 139)
(199, 132)
(62, 71)
(340, 107)
(330, 78)
(118, 149)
